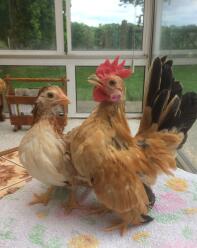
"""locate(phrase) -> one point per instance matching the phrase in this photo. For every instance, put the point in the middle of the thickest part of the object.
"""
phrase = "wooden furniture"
(16, 117)
(1, 108)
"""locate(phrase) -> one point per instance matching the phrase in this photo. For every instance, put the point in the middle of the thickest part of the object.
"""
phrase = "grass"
(134, 84)
(186, 74)
(32, 71)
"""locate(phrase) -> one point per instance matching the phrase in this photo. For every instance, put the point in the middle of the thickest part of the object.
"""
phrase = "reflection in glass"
(178, 24)
(134, 90)
(107, 25)
(27, 24)
(190, 147)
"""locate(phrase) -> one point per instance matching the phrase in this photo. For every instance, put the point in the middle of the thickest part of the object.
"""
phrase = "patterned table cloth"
(174, 225)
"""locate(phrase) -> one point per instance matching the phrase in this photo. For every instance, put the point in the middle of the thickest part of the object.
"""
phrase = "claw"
(123, 226)
(147, 218)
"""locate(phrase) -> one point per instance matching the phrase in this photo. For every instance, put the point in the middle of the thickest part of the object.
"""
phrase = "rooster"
(120, 167)
(43, 150)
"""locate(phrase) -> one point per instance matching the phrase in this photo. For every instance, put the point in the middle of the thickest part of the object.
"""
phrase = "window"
(187, 74)
(134, 90)
(190, 147)
(85, 104)
(76, 35)
(27, 25)
(176, 27)
(30, 88)
(32, 71)
(106, 25)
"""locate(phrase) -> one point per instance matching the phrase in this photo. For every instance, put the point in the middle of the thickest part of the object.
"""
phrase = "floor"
(12, 174)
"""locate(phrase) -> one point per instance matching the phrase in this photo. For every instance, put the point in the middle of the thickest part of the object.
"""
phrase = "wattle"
(99, 95)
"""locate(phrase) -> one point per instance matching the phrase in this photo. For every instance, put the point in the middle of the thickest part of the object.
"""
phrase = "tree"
(134, 2)
(82, 36)
(28, 24)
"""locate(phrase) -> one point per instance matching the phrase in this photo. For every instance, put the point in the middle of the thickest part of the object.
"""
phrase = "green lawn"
(32, 71)
(186, 74)
(134, 84)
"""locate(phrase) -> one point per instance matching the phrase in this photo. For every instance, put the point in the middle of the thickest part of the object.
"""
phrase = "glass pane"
(190, 147)
(29, 88)
(85, 104)
(32, 71)
(187, 75)
(178, 24)
(134, 90)
(27, 24)
(107, 25)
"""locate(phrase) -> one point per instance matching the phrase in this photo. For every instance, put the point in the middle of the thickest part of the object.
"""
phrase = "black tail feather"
(188, 112)
(166, 76)
(177, 89)
(169, 116)
(159, 105)
(154, 84)
(165, 104)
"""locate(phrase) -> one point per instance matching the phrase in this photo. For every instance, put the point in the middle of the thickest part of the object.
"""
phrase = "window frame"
(59, 57)
(145, 42)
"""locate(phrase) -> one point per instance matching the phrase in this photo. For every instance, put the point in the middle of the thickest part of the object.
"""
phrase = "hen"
(42, 151)
(119, 167)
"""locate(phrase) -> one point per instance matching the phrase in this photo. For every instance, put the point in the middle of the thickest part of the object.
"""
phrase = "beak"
(93, 79)
(63, 99)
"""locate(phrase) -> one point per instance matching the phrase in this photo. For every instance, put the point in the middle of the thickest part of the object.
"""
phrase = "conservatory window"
(176, 27)
(134, 90)
(114, 25)
(27, 26)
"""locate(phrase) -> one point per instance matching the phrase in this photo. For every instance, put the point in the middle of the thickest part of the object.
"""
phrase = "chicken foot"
(43, 198)
(123, 226)
(99, 210)
(72, 203)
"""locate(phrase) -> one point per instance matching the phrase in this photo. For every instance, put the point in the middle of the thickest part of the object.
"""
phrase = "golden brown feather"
(113, 162)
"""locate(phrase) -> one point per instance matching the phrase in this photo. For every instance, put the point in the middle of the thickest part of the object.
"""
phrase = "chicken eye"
(112, 82)
(50, 95)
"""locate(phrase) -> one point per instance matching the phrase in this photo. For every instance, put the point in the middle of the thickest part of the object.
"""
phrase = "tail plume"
(165, 105)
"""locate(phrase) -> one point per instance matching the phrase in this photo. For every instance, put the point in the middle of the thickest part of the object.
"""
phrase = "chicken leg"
(122, 226)
(71, 203)
(99, 210)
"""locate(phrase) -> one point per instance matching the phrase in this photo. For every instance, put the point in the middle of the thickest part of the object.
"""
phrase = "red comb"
(104, 70)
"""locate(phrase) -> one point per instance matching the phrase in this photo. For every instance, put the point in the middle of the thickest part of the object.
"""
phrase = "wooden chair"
(1, 108)
(16, 117)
